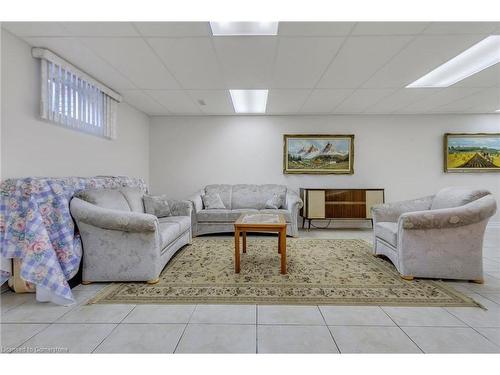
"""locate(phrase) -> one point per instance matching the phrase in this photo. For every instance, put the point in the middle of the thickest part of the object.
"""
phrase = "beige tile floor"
(27, 326)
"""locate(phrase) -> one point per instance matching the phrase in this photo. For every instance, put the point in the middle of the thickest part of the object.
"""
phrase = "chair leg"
(407, 277)
(153, 281)
(477, 281)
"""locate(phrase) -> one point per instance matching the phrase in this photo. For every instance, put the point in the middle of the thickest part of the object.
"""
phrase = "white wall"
(403, 154)
(31, 147)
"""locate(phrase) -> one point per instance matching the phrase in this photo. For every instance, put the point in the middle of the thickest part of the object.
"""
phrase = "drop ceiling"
(179, 68)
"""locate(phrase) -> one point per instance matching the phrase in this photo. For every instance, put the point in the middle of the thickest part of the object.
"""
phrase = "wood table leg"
(282, 245)
(237, 251)
(244, 241)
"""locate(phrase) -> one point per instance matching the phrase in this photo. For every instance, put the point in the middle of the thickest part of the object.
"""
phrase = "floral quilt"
(36, 226)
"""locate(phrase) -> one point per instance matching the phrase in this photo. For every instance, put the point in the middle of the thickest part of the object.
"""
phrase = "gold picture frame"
(471, 152)
(318, 153)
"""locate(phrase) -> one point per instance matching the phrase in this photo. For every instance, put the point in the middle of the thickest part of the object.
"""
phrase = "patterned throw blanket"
(36, 226)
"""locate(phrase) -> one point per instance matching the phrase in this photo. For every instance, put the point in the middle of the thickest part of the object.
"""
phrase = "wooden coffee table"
(259, 223)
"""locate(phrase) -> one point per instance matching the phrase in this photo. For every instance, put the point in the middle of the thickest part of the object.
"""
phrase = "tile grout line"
(256, 329)
(184, 330)
(114, 328)
(401, 329)
(329, 330)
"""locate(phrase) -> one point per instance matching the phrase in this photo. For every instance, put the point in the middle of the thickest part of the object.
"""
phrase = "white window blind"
(72, 99)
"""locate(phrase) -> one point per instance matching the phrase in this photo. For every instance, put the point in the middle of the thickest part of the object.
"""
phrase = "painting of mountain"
(321, 154)
(472, 152)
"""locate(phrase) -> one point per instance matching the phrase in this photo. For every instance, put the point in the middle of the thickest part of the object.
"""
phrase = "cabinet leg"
(303, 222)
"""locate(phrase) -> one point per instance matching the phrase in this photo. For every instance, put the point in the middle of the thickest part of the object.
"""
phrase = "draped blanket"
(36, 226)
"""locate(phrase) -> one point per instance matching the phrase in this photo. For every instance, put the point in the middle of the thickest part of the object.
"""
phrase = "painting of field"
(472, 153)
(318, 154)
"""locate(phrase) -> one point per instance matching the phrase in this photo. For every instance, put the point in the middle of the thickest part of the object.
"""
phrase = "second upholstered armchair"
(439, 236)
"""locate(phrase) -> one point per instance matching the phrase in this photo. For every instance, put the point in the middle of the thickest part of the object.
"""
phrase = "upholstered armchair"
(439, 236)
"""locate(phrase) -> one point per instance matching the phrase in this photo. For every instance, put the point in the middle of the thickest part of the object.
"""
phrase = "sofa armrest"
(197, 202)
(180, 208)
(454, 217)
(392, 211)
(112, 219)
(293, 201)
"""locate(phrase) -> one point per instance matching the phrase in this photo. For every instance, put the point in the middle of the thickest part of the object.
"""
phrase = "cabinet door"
(316, 204)
(373, 197)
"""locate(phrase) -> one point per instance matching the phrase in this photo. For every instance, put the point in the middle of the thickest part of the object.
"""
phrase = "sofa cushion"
(157, 205)
(134, 198)
(255, 196)
(182, 222)
(456, 196)
(168, 233)
(275, 202)
(388, 232)
(212, 202)
(224, 192)
(221, 216)
(285, 213)
(106, 198)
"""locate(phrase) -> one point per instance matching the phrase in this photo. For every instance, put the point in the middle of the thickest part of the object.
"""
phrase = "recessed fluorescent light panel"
(478, 57)
(249, 101)
(244, 28)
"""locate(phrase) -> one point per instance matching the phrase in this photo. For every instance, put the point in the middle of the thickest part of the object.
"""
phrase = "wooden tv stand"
(342, 204)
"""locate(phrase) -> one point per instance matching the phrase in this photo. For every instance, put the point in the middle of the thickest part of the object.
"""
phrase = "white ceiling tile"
(399, 99)
(247, 62)
(487, 100)
(359, 58)
(191, 60)
(173, 29)
(461, 27)
(324, 101)
(135, 59)
(440, 98)
(315, 28)
(389, 28)
(300, 62)
(35, 28)
(422, 55)
(72, 50)
(286, 101)
(489, 77)
(176, 101)
(144, 103)
(106, 29)
(362, 99)
(217, 102)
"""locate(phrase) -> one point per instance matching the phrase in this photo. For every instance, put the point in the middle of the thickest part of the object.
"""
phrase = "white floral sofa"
(241, 198)
(439, 236)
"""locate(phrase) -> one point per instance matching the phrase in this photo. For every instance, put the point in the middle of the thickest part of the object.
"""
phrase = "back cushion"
(456, 196)
(106, 198)
(224, 192)
(255, 196)
(134, 198)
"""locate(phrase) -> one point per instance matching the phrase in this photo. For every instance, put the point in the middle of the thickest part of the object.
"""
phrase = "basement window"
(71, 98)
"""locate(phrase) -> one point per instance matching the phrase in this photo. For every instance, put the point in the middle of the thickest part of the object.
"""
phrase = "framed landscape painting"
(472, 152)
(318, 153)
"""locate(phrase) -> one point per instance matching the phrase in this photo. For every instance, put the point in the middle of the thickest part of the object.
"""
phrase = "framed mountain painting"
(318, 153)
(472, 152)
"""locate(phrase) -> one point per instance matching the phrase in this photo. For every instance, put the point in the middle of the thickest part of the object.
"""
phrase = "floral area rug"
(320, 272)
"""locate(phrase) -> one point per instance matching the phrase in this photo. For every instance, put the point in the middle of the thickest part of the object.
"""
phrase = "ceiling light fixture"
(244, 28)
(249, 101)
(478, 57)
